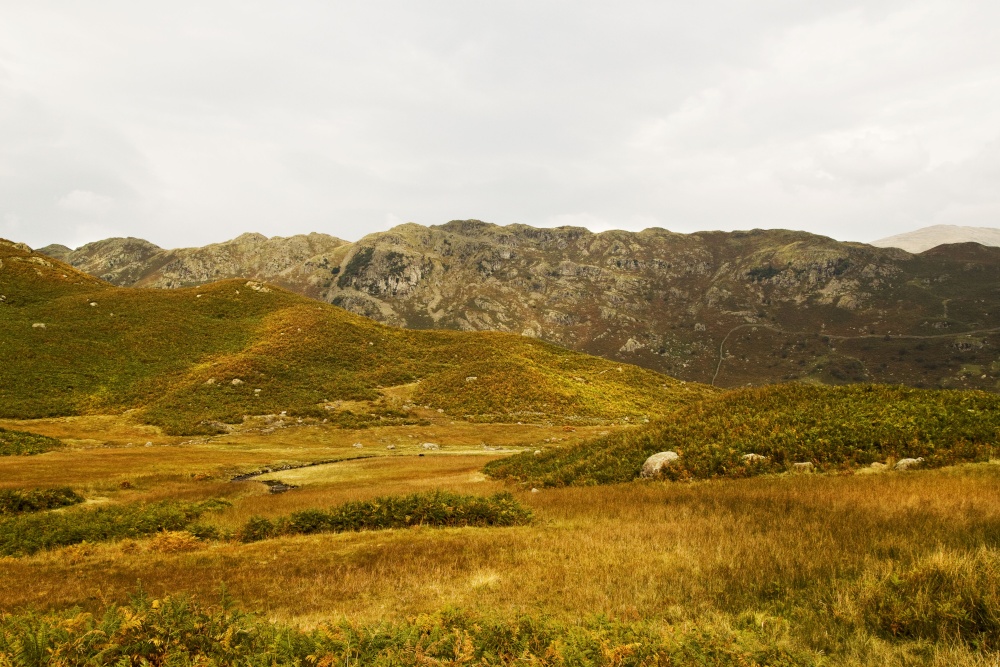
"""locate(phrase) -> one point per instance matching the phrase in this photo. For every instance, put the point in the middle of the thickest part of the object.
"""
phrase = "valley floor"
(835, 568)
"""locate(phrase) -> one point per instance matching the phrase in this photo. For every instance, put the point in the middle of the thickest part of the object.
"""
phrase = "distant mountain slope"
(131, 262)
(929, 237)
(730, 308)
(192, 358)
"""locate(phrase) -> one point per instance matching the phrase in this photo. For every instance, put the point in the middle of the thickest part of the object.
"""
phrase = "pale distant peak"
(926, 238)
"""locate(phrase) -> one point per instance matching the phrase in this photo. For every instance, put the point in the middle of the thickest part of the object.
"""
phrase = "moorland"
(235, 474)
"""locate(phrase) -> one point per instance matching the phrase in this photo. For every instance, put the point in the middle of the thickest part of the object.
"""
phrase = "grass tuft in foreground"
(29, 533)
(834, 428)
(16, 501)
(177, 631)
(20, 443)
(439, 508)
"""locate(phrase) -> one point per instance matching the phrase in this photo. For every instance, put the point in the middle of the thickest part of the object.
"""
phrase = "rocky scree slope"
(194, 359)
(731, 309)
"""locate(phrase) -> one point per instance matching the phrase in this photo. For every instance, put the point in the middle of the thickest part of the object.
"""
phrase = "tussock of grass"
(945, 596)
(834, 428)
(439, 508)
(16, 501)
(175, 354)
(177, 631)
(29, 533)
(20, 443)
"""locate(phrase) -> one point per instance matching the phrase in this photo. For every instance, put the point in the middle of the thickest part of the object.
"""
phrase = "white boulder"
(655, 464)
(906, 464)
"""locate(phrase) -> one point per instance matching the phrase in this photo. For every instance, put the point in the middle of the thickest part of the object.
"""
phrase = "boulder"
(430, 445)
(906, 464)
(655, 464)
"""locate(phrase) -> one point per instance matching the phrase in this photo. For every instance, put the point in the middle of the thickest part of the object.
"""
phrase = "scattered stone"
(390, 446)
(93, 304)
(631, 345)
(256, 391)
(258, 287)
(38, 325)
(471, 378)
(803, 466)
(655, 464)
(441, 410)
(906, 464)
(534, 490)
(754, 458)
(357, 445)
(236, 382)
(538, 452)
(276, 486)
(149, 444)
(430, 445)
(210, 381)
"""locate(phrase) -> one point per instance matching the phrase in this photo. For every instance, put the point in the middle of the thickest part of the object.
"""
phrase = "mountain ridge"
(732, 308)
(191, 360)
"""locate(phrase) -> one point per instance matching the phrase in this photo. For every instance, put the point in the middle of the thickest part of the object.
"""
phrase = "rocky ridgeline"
(736, 308)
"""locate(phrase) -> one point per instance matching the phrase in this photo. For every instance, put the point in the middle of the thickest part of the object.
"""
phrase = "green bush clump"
(176, 631)
(945, 596)
(834, 428)
(29, 533)
(18, 443)
(16, 501)
(438, 508)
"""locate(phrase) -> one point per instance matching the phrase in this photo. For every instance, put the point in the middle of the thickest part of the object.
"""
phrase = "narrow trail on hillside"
(722, 345)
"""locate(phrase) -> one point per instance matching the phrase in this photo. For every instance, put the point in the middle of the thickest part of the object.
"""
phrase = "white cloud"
(86, 202)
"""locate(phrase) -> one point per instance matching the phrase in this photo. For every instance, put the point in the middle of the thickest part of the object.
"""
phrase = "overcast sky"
(190, 122)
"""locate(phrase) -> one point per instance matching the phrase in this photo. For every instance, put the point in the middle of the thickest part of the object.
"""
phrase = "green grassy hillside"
(191, 358)
(834, 428)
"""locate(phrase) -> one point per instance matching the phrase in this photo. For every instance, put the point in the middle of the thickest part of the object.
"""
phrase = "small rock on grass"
(906, 464)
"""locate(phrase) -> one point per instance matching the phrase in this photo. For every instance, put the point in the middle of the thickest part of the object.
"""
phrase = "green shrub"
(175, 631)
(438, 508)
(15, 443)
(29, 533)
(834, 428)
(15, 501)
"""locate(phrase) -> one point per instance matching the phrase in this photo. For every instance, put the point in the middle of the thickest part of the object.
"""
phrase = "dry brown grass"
(794, 551)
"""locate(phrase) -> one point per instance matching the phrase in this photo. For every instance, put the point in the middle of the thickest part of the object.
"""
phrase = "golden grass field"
(793, 556)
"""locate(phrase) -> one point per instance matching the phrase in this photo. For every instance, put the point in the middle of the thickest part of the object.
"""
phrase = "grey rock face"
(655, 464)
